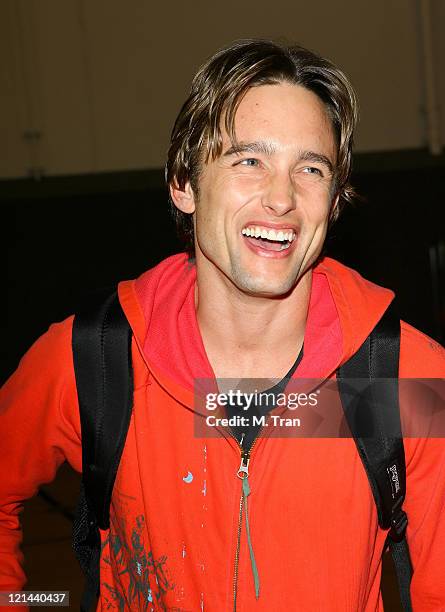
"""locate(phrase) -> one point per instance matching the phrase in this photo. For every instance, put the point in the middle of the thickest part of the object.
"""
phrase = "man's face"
(263, 206)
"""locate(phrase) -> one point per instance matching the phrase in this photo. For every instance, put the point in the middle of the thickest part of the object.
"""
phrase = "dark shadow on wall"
(60, 249)
(67, 237)
(395, 238)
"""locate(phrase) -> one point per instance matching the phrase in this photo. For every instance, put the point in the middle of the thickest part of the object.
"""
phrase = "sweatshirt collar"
(160, 307)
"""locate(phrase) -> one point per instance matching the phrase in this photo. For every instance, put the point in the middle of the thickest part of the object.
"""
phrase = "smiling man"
(239, 518)
(261, 212)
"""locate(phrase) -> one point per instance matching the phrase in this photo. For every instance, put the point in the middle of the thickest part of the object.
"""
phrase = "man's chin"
(263, 287)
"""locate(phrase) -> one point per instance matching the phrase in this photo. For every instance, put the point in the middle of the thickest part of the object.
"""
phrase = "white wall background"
(92, 86)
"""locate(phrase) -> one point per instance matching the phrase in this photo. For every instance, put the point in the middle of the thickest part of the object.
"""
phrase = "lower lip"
(256, 248)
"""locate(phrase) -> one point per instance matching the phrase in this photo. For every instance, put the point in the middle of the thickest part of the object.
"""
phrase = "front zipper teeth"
(240, 519)
(247, 456)
(238, 542)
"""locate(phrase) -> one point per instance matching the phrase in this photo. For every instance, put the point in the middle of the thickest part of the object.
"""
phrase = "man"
(258, 166)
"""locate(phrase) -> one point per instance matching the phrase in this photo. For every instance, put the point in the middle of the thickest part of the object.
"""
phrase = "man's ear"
(184, 199)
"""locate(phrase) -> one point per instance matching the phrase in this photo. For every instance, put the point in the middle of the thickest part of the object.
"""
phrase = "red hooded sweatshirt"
(178, 538)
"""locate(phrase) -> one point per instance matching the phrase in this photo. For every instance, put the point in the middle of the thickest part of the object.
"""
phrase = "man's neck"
(248, 336)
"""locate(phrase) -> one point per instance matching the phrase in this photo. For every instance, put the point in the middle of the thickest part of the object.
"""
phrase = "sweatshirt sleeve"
(422, 358)
(425, 507)
(40, 429)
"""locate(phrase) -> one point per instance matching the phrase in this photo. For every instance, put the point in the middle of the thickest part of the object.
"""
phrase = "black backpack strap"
(371, 407)
(101, 344)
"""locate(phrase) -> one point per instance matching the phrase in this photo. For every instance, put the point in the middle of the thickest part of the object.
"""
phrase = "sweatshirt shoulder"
(53, 349)
(41, 396)
(420, 355)
(59, 334)
(45, 371)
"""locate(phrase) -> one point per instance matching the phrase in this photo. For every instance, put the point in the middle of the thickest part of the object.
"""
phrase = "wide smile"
(275, 242)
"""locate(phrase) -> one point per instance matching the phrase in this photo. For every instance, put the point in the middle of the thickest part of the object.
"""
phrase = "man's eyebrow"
(259, 146)
(318, 158)
(269, 149)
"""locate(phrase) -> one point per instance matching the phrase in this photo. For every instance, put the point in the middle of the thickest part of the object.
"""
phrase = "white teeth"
(259, 232)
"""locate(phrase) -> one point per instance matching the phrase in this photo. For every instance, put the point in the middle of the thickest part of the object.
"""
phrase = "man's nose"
(280, 194)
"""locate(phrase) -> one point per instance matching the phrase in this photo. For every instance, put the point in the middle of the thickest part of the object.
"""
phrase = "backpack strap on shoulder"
(368, 384)
(101, 344)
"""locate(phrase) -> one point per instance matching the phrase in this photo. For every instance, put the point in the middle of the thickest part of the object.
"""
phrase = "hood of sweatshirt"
(160, 306)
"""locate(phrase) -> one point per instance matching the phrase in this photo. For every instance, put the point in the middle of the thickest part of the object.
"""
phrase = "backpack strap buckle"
(399, 523)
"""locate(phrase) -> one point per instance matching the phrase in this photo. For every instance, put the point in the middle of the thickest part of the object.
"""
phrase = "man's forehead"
(280, 105)
(276, 95)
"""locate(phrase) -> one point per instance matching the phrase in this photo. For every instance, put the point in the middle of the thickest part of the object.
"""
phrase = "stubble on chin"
(256, 284)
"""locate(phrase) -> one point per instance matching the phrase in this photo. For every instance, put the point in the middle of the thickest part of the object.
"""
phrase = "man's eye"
(312, 170)
(251, 161)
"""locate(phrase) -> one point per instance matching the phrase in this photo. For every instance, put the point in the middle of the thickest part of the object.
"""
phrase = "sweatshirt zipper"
(238, 541)
(243, 472)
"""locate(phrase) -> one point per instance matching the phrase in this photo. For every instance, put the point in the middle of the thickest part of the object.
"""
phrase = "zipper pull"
(243, 470)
